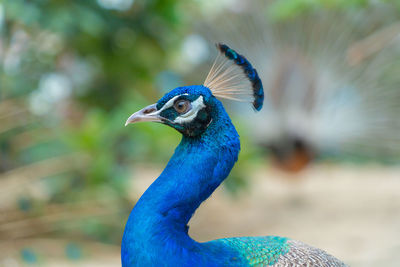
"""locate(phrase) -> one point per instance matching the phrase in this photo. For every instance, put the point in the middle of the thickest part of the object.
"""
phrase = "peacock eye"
(182, 106)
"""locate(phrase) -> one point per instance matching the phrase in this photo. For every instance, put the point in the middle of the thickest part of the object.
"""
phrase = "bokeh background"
(71, 72)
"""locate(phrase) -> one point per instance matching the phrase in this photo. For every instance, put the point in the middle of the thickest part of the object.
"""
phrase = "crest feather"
(233, 77)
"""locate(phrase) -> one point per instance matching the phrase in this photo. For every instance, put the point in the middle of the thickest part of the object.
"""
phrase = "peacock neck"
(196, 169)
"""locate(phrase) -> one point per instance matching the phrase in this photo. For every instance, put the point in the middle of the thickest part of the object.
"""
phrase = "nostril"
(149, 110)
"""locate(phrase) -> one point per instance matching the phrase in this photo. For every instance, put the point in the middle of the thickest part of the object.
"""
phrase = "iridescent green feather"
(259, 251)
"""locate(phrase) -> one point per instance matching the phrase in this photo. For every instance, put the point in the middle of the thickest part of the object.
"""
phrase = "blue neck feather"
(157, 230)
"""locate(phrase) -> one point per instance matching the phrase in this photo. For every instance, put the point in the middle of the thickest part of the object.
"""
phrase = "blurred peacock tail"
(330, 80)
(156, 233)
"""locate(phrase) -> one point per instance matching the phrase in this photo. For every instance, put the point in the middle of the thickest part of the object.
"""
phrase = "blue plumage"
(156, 233)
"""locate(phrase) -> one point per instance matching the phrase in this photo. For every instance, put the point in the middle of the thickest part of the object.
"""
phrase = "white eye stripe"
(197, 105)
(170, 103)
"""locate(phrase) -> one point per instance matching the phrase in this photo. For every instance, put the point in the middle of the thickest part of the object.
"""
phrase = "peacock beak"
(149, 113)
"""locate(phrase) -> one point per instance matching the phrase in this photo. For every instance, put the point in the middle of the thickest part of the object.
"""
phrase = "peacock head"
(190, 109)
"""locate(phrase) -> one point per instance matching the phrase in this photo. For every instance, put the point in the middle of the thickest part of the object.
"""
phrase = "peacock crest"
(233, 77)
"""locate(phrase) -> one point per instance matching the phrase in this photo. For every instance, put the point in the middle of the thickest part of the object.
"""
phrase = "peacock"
(156, 233)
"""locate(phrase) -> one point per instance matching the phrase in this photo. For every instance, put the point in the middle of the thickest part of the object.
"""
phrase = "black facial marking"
(199, 124)
(193, 128)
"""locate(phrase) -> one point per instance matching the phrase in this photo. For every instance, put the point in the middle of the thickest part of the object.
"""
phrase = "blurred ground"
(353, 212)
